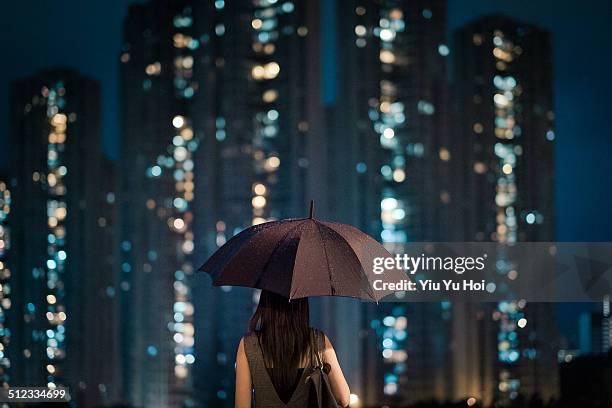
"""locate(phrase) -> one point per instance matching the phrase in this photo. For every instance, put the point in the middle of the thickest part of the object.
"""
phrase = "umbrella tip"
(311, 209)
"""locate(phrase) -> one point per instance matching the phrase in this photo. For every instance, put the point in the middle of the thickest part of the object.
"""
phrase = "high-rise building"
(5, 279)
(156, 194)
(606, 341)
(258, 161)
(388, 118)
(504, 184)
(595, 330)
(217, 125)
(55, 165)
(387, 126)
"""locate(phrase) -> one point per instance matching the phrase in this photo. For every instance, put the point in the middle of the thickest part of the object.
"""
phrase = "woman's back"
(266, 394)
(275, 359)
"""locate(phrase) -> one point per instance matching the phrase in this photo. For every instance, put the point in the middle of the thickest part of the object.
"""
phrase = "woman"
(274, 358)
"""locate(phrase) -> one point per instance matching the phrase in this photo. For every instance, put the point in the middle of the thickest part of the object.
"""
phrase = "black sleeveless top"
(285, 395)
(265, 393)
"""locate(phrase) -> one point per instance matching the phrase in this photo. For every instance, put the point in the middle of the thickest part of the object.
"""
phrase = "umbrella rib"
(369, 289)
(331, 281)
(292, 290)
(263, 270)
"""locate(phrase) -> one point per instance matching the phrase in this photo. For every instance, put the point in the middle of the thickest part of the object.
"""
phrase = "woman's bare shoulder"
(244, 339)
(328, 343)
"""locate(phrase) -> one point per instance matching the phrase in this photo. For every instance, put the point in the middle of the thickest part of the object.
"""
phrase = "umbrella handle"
(311, 209)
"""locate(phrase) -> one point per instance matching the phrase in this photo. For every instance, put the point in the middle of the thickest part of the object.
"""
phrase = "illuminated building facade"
(505, 184)
(215, 123)
(595, 330)
(606, 336)
(253, 165)
(156, 194)
(390, 131)
(55, 162)
(5, 279)
(407, 42)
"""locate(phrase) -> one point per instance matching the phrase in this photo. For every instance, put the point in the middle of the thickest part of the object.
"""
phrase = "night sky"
(86, 35)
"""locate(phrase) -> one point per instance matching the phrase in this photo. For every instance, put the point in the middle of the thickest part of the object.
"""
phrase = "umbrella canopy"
(299, 258)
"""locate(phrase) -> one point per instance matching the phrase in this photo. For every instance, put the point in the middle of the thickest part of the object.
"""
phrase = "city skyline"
(206, 91)
(580, 89)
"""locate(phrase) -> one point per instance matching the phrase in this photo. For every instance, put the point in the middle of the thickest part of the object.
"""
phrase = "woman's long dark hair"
(284, 335)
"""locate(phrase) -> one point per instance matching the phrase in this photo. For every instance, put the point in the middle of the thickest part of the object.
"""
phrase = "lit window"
(444, 154)
(443, 50)
(153, 69)
(387, 57)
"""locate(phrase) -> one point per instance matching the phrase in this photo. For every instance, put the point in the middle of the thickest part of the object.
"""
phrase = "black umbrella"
(302, 257)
